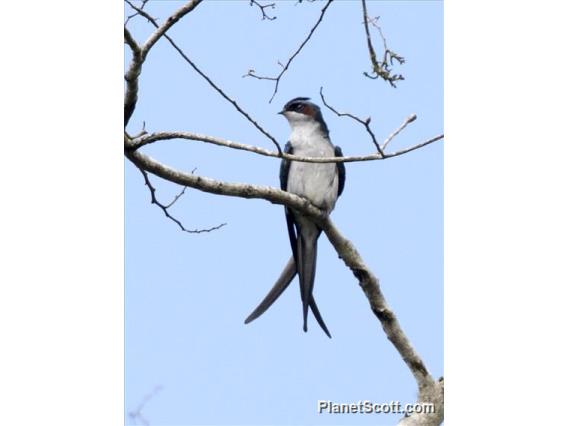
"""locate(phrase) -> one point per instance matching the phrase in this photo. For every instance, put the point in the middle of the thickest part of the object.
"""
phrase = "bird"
(321, 184)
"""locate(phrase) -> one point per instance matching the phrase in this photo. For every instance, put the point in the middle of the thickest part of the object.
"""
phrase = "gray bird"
(322, 184)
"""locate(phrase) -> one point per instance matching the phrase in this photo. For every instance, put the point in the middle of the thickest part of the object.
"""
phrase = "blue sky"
(187, 295)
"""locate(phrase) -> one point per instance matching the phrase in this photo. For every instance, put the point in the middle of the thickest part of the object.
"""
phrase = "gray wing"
(340, 171)
(284, 171)
(285, 167)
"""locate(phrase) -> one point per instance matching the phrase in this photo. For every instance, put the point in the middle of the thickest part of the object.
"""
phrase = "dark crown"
(303, 105)
(294, 104)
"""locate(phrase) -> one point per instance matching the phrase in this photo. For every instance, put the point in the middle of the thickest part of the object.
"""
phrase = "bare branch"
(211, 83)
(139, 53)
(129, 17)
(252, 73)
(262, 7)
(161, 30)
(380, 149)
(177, 197)
(136, 415)
(166, 207)
(131, 76)
(144, 162)
(140, 11)
(432, 393)
(406, 122)
(415, 147)
(365, 123)
(131, 42)
(141, 133)
(383, 69)
(230, 100)
(370, 285)
(388, 56)
(134, 144)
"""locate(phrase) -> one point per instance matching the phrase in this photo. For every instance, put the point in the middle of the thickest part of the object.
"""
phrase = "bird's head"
(300, 111)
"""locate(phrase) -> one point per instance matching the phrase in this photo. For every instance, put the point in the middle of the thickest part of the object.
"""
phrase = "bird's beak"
(282, 112)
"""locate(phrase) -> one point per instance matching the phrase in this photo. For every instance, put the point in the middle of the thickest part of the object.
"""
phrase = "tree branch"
(131, 42)
(131, 76)
(139, 53)
(365, 123)
(383, 69)
(166, 207)
(251, 73)
(129, 17)
(136, 415)
(370, 285)
(143, 161)
(206, 77)
(134, 144)
(406, 122)
(161, 30)
(262, 7)
(430, 391)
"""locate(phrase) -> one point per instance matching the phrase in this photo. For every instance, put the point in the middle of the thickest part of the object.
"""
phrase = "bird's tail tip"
(325, 330)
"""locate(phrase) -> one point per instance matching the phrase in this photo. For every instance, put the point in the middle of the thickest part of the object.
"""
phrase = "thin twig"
(137, 414)
(388, 56)
(165, 207)
(365, 123)
(161, 29)
(406, 122)
(137, 135)
(262, 7)
(415, 147)
(211, 83)
(177, 197)
(252, 73)
(129, 17)
(383, 69)
(372, 53)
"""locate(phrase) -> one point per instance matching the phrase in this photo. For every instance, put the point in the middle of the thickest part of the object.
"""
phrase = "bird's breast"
(317, 182)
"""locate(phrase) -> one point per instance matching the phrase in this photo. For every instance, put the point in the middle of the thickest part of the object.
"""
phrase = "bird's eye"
(296, 107)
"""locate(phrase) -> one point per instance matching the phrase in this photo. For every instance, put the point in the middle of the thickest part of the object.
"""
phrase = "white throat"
(306, 133)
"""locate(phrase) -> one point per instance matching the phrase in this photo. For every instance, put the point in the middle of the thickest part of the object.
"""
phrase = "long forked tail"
(281, 284)
(307, 256)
